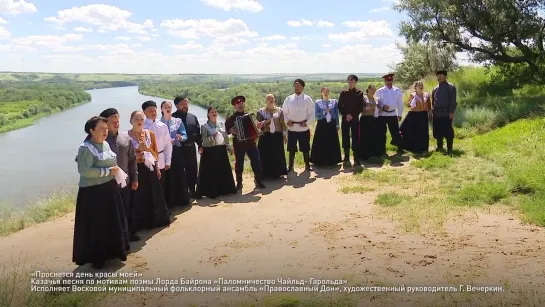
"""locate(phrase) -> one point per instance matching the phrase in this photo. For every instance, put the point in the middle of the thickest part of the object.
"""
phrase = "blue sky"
(198, 36)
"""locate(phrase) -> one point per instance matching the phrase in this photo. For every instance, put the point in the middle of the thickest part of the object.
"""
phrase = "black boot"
(292, 161)
(239, 182)
(259, 184)
(450, 142)
(346, 161)
(307, 161)
(134, 237)
(440, 145)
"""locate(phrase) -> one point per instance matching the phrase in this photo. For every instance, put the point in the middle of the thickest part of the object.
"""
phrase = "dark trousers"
(392, 124)
(163, 183)
(350, 132)
(190, 165)
(253, 154)
(443, 129)
(126, 198)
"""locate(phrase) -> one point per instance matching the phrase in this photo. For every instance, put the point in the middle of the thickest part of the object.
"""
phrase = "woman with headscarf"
(215, 172)
(370, 137)
(100, 230)
(271, 142)
(148, 201)
(176, 192)
(415, 127)
(326, 149)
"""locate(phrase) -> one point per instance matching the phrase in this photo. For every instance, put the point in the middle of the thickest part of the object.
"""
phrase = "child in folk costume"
(244, 147)
(415, 128)
(326, 149)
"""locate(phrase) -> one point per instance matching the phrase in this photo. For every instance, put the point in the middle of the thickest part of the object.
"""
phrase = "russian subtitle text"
(119, 282)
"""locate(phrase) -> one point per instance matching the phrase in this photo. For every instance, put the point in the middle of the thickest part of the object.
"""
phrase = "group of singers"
(130, 180)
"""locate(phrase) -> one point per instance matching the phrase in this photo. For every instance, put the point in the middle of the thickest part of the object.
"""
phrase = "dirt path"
(307, 229)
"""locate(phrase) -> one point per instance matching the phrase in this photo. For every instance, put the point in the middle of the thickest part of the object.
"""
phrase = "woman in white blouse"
(215, 172)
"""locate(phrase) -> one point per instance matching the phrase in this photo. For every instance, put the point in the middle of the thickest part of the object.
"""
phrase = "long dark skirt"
(215, 173)
(370, 137)
(272, 156)
(415, 131)
(149, 208)
(100, 232)
(176, 185)
(326, 149)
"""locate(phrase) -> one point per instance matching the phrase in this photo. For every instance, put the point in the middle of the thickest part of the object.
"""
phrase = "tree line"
(23, 101)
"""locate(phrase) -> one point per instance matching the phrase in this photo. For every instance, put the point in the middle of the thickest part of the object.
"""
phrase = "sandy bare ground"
(305, 228)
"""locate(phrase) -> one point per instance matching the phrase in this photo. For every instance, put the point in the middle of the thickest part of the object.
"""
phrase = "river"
(39, 160)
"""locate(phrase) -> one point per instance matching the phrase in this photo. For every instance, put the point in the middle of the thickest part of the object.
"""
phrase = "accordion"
(246, 126)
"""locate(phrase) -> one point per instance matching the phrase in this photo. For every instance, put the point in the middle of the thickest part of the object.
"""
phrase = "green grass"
(500, 169)
(390, 199)
(58, 204)
(15, 291)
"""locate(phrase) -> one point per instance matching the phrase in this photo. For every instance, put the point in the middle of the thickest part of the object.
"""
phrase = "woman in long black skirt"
(415, 128)
(370, 127)
(271, 142)
(215, 172)
(177, 193)
(148, 201)
(326, 149)
(100, 229)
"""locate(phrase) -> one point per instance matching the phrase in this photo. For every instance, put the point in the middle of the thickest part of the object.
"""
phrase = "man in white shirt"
(162, 138)
(391, 103)
(298, 110)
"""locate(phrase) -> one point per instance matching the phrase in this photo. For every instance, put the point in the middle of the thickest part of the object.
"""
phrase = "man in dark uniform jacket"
(193, 129)
(243, 148)
(444, 105)
(126, 160)
(350, 107)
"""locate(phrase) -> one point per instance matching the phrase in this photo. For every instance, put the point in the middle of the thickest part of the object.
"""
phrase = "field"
(472, 218)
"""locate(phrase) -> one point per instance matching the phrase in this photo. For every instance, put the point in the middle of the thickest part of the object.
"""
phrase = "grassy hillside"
(22, 104)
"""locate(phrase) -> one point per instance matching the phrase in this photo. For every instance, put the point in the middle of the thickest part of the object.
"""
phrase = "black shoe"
(98, 265)
(239, 186)
(259, 184)
(439, 149)
(134, 238)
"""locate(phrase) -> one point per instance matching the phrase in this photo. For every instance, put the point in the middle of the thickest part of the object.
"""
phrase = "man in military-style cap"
(443, 107)
(244, 147)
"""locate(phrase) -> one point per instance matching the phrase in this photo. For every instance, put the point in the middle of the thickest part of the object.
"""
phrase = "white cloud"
(297, 38)
(137, 45)
(326, 45)
(105, 17)
(189, 46)
(16, 7)
(287, 58)
(83, 29)
(123, 38)
(300, 23)
(53, 42)
(226, 41)
(367, 29)
(144, 38)
(271, 38)
(228, 32)
(231, 5)
(3, 21)
(324, 24)
(4, 33)
(309, 23)
(380, 9)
